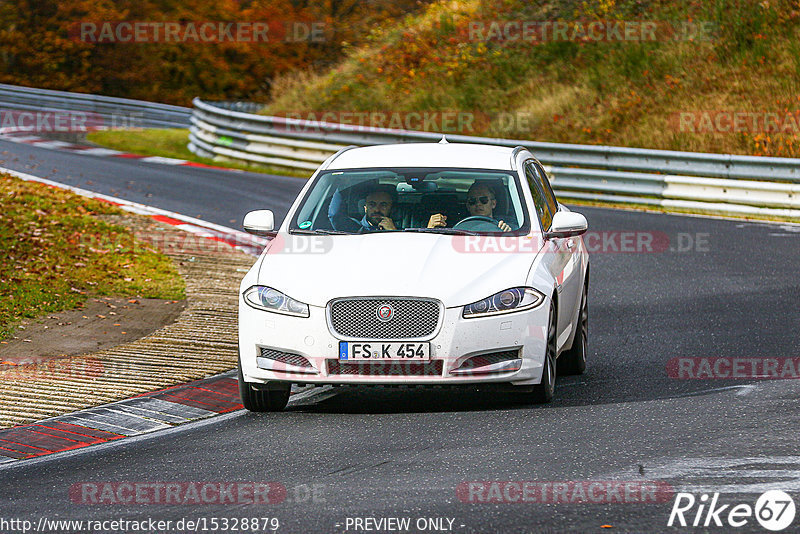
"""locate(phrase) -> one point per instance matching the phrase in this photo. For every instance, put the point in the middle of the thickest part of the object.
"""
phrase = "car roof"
(458, 155)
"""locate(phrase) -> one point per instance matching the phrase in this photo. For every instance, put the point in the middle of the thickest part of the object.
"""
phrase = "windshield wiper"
(319, 231)
(448, 231)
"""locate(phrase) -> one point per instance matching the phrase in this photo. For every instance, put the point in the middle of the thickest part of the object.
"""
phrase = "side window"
(548, 190)
(539, 200)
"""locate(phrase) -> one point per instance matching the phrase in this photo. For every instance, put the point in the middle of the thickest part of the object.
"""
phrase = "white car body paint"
(416, 265)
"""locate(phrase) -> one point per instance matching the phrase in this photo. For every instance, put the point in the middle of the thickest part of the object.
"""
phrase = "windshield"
(433, 200)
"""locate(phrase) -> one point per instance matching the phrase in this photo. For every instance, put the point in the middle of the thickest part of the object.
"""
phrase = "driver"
(377, 212)
(481, 201)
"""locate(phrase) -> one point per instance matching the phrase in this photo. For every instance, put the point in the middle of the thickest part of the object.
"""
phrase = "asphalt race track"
(218, 197)
(726, 289)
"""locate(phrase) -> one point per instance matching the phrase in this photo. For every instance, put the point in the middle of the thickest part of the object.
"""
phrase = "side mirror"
(259, 222)
(567, 224)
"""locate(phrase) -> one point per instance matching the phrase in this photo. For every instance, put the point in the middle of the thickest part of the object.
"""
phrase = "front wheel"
(543, 392)
(574, 359)
(263, 400)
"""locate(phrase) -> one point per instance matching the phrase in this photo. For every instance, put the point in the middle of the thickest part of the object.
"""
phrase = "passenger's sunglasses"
(474, 200)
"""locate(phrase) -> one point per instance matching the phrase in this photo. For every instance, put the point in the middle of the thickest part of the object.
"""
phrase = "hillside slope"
(715, 76)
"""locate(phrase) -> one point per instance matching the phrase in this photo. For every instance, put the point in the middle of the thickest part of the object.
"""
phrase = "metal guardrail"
(711, 183)
(111, 110)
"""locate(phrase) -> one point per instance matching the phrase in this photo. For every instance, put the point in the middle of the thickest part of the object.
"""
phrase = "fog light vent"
(285, 357)
(494, 362)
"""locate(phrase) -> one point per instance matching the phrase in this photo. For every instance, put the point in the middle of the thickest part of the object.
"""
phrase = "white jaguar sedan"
(416, 264)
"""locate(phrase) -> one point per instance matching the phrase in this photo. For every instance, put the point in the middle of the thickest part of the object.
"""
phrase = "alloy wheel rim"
(584, 325)
(551, 349)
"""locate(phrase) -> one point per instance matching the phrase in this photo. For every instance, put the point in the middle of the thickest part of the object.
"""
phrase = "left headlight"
(507, 301)
(269, 299)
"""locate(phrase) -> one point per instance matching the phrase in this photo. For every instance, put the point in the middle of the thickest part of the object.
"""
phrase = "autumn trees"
(105, 47)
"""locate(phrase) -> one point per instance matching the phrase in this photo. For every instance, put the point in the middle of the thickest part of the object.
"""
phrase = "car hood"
(316, 269)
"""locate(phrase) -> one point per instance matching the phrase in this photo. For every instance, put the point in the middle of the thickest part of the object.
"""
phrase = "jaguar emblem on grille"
(385, 312)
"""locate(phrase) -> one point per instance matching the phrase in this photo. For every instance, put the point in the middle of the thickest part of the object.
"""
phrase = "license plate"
(380, 351)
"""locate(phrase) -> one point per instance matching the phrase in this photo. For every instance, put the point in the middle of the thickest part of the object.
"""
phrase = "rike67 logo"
(774, 510)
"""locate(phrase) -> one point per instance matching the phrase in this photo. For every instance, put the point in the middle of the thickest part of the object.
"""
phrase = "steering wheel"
(478, 223)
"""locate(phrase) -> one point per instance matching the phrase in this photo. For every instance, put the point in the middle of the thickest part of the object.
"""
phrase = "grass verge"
(171, 143)
(57, 252)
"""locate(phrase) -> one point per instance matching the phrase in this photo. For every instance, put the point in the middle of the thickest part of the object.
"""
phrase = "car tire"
(263, 400)
(543, 392)
(573, 361)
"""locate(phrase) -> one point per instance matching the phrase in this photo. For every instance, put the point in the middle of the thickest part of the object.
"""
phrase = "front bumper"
(455, 341)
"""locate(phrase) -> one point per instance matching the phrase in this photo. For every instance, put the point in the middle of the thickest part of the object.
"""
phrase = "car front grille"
(285, 357)
(358, 318)
(390, 369)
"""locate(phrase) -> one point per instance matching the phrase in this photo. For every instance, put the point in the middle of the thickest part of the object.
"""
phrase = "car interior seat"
(447, 204)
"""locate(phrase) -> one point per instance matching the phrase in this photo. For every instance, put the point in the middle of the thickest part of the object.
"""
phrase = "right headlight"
(269, 299)
(507, 301)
